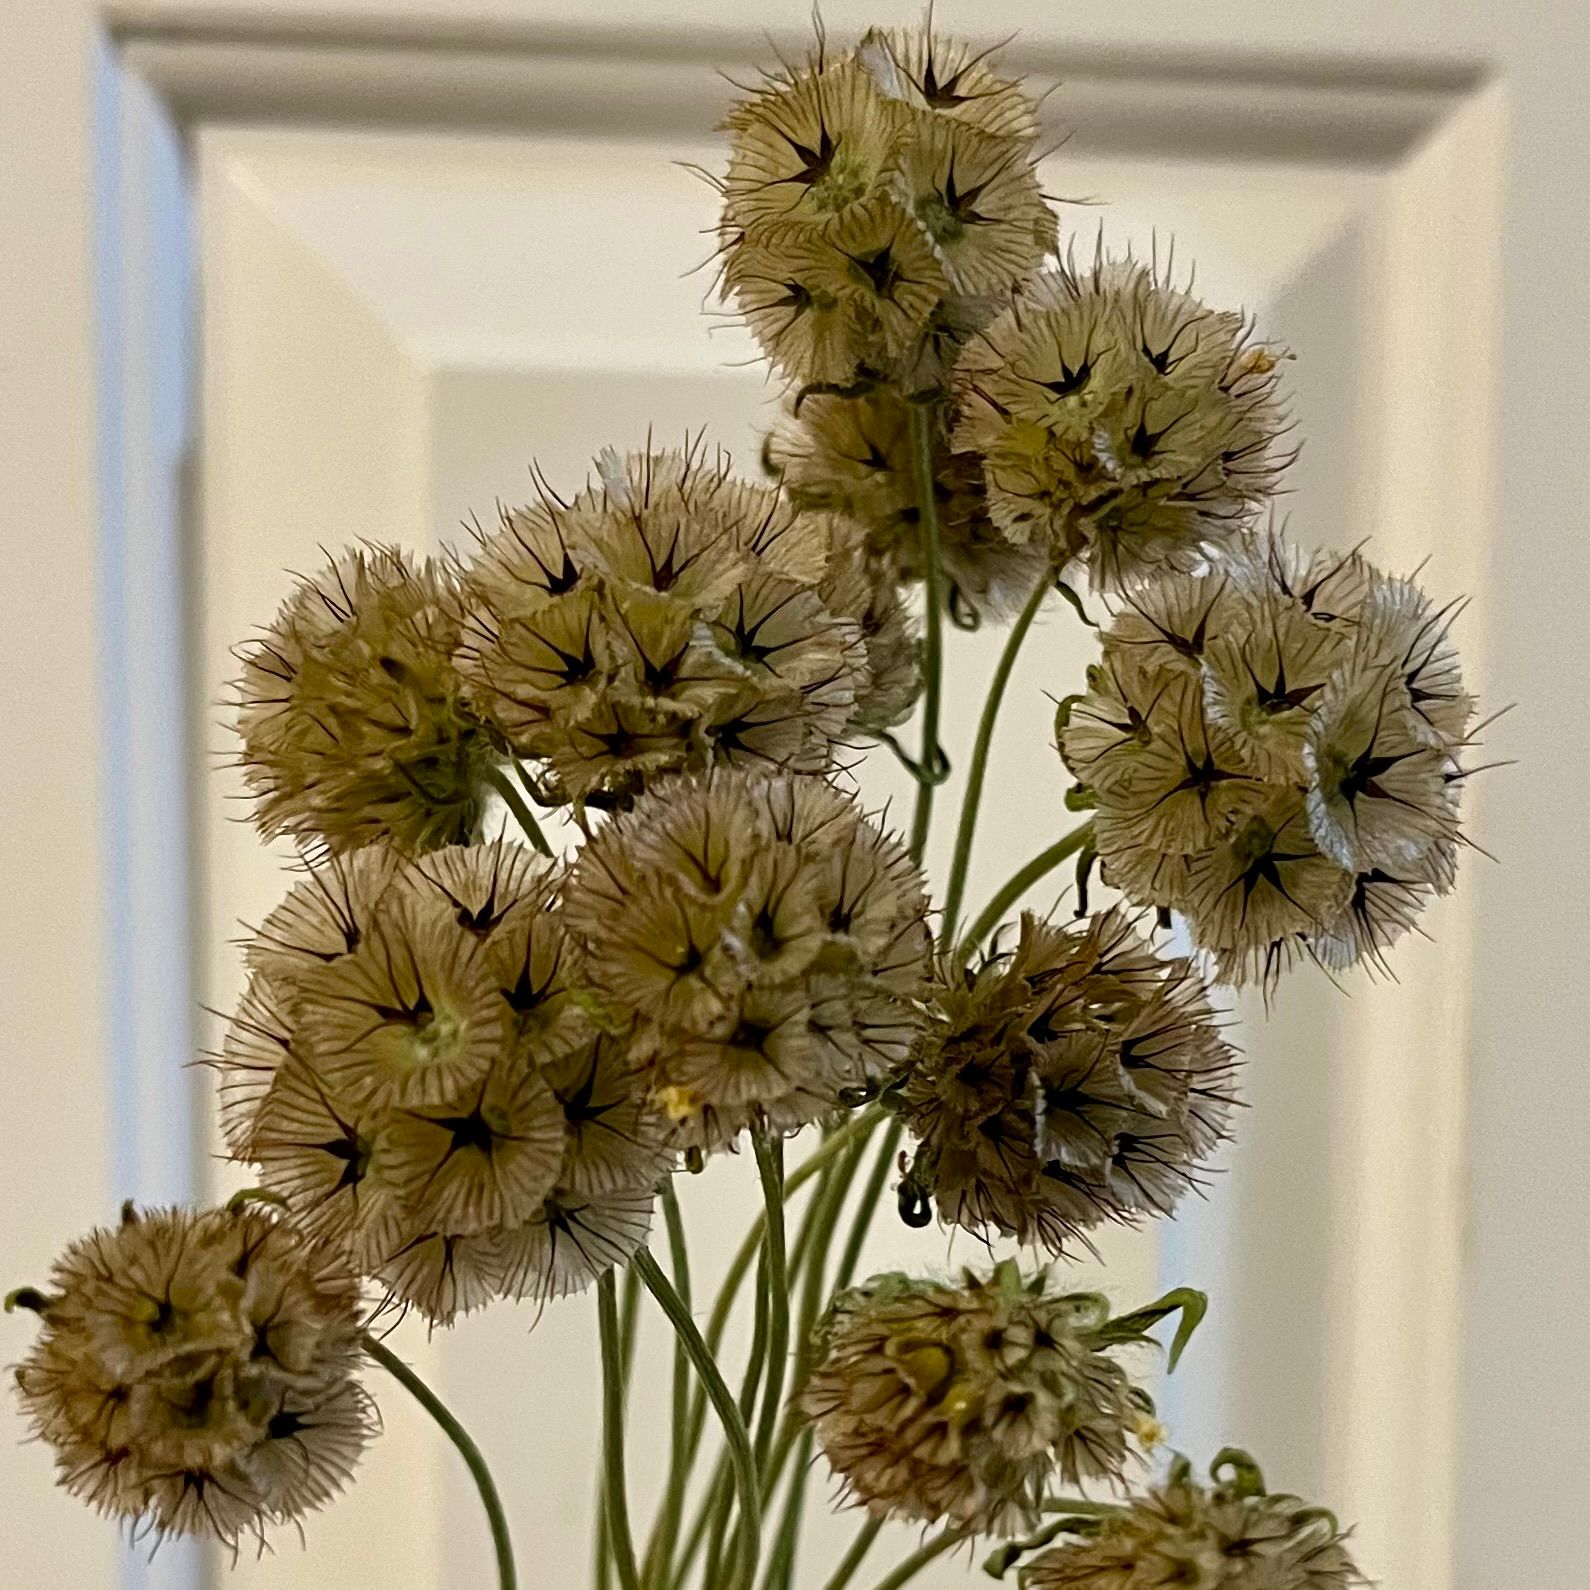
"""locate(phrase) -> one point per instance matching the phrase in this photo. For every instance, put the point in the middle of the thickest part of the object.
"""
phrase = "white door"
(294, 274)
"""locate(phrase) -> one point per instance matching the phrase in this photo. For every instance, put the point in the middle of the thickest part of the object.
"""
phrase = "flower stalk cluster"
(465, 1069)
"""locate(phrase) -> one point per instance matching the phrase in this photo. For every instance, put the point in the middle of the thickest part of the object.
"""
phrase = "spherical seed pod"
(1079, 1077)
(1272, 748)
(761, 940)
(961, 1403)
(353, 724)
(195, 1373)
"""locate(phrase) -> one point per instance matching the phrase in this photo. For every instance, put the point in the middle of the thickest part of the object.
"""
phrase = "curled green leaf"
(1134, 1327)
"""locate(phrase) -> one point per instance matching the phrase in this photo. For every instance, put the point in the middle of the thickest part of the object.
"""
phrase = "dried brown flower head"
(670, 617)
(764, 939)
(1077, 1078)
(195, 1372)
(934, 1401)
(877, 203)
(351, 715)
(1120, 421)
(1272, 748)
(852, 456)
(1227, 1536)
(411, 1070)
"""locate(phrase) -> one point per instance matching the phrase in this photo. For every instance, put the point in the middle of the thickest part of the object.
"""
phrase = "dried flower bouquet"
(466, 1069)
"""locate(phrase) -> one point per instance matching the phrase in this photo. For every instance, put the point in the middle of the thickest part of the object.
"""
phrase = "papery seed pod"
(351, 713)
(950, 78)
(1272, 748)
(976, 198)
(667, 619)
(427, 1097)
(860, 585)
(810, 150)
(1121, 423)
(877, 208)
(1077, 1078)
(196, 1372)
(1226, 1536)
(960, 1403)
(765, 941)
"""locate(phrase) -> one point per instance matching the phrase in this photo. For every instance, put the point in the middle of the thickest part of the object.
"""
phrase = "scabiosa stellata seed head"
(876, 207)
(196, 1372)
(352, 717)
(1121, 423)
(960, 1403)
(1271, 747)
(762, 940)
(412, 1071)
(852, 456)
(669, 617)
(1076, 1078)
(1228, 1535)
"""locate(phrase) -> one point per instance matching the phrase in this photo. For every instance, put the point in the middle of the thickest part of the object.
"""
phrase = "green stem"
(660, 1549)
(1043, 863)
(770, 1167)
(871, 1194)
(852, 1559)
(977, 771)
(945, 1540)
(858, 1126)
(817, 1233)
(1075, 1507)
(628, 1324)
(852, 1134)
(723, 1402)
(721, 1491)
(924, 416)
(455, 1432)
(615, 1490)
(781, 1561)
(503, 785)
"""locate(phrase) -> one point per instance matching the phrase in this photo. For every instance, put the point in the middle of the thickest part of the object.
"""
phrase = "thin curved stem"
(781, 1560)
(871, 1194)
(721, 1493)
(923, 418)
(504, 786)
(1042, 864)
(852, 1560)
(628, 1323)
(977, 770)
(615, 1490)
(722, 1401)
(852, 1134)
(507, 1579)
(945, 1540)
(1076, 1507)
(660, 1548)
(817, 1235)
(770, 1167)
(858, 1126)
